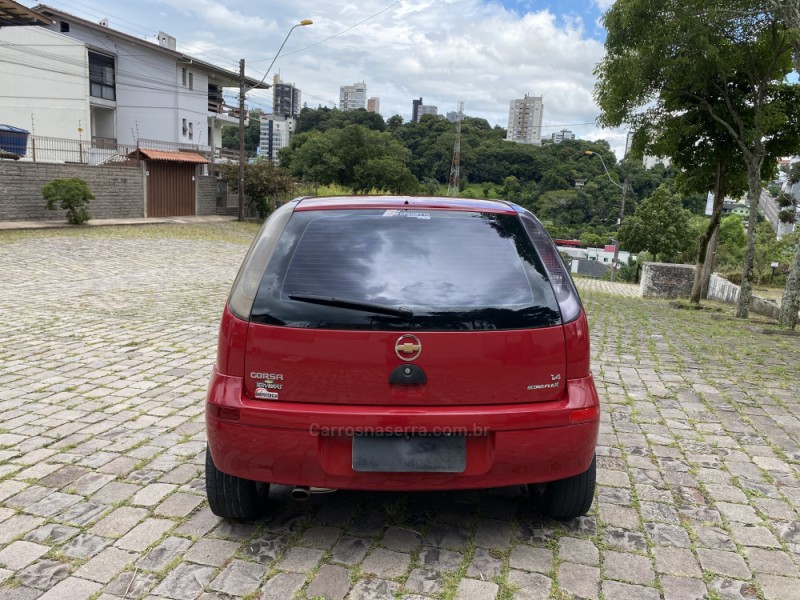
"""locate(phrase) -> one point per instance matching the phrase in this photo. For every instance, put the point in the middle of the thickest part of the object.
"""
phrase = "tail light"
(245, 286)
(567, 296)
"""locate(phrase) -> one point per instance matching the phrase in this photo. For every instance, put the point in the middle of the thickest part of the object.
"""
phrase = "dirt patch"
(690, 306)
(786, 332)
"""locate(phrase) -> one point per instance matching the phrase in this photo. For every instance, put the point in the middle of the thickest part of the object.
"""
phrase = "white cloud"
(603, 5)
(441, 50)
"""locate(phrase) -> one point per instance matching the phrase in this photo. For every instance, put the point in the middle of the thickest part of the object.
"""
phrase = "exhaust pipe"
(300, 493)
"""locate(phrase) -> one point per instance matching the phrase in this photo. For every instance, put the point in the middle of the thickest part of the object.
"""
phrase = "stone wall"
(206, 195)
(675, 281)
(722, 290)
(589, 268)
(118, 191)
(661, 280)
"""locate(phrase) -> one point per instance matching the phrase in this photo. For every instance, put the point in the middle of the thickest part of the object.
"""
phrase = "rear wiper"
(379, 309)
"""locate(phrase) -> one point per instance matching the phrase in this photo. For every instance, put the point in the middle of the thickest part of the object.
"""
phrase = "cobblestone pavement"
(107, 342)
(586, 284)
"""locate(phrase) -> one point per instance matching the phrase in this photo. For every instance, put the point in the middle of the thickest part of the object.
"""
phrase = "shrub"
(72, 194)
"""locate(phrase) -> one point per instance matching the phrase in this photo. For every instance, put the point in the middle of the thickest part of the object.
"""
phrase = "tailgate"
(354, 367)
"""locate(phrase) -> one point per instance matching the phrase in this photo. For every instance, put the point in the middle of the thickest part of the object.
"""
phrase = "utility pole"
(614, 265)
(454, 182)
(242, 156)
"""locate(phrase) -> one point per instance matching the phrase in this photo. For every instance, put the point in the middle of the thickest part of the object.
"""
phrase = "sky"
(482, 52)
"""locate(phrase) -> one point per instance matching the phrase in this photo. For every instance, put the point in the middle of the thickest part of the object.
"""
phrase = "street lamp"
(624, 188)
(242, 91)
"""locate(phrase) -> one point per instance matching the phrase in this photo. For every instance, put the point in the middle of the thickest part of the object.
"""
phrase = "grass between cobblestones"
(108, 335)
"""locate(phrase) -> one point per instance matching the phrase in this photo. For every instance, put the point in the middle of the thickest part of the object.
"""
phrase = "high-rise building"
(352, 97)
(629, 141)
(525, 120)
(427, 109)
(418, 109)
(374, 105)
(452, 116)
(285, 98)
(560, 136)
(415, 104)
(276, 132)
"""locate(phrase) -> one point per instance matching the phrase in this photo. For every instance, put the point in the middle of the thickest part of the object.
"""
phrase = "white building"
(374, 105)
(427, 109)
(650, 161)
(54, 102)
(118, 89)
(560, 136)
(525, 120)
(353, 97)
(276, 132)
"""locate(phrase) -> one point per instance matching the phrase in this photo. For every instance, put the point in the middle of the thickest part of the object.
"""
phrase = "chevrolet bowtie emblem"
(408, 347)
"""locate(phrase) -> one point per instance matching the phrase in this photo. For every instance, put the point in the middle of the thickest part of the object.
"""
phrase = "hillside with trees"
(567, 188)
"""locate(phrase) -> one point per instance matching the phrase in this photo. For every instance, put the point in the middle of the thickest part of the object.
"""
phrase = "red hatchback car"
(402, 343)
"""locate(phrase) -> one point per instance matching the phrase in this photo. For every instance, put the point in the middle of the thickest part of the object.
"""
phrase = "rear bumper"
(311, 444)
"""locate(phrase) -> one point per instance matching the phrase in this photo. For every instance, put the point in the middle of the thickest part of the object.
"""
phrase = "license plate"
(412, 454)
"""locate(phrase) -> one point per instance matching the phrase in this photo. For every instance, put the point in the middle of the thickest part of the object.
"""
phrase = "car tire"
(232, 497)
(566, 498)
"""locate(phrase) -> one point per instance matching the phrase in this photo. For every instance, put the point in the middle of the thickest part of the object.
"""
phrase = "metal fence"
(96, 151)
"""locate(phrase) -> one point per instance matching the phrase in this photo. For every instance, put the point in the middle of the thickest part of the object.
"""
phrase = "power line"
(93, 13)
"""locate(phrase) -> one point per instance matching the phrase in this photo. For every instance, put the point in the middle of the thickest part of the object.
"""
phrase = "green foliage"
(431, 187)
(354, 156)
(788, 204)
(511, 188)
(71, 194)
(541, 178)
(323, 119)
(660, 226)
(731, 244)
(384, 173)
(252, 135)
(768, 250)
(794, 173)
(707, 83)
(628, 272)
(264, 184)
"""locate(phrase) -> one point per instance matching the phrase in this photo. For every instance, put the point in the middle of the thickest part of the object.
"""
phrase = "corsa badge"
(408, 347)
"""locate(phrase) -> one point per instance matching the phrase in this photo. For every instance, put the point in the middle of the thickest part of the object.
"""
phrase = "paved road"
(770, 209)
(107, 341)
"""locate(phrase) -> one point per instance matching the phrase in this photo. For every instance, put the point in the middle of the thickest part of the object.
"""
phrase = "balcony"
(222, 112)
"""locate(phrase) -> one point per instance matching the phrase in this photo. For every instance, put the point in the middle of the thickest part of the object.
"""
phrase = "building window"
(64, 27)
(185, 128)
(191, 81)
(183, 77)
(191, 131)
(101, 76)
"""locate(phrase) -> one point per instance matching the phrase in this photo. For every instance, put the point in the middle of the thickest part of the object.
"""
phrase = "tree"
(732, 243)
(790, 303)
(394, 122)
(252, 135)
(665, 52)
(789, 13)
(386, 173)
(660, 226)
(353, 156)
(511, 188)
(264, 183)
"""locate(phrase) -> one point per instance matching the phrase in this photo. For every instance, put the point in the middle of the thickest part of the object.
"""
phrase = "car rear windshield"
(431, 270)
